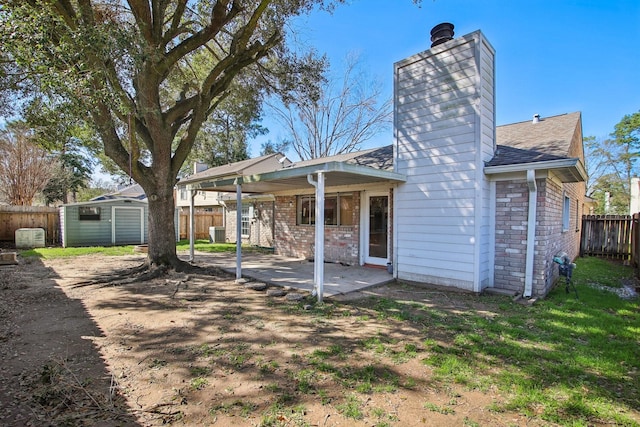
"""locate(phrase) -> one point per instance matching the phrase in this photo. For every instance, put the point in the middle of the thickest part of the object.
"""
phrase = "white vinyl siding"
(443, 127)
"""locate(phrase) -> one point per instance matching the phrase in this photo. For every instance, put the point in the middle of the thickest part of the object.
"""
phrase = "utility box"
(217, 235)
(30, 238)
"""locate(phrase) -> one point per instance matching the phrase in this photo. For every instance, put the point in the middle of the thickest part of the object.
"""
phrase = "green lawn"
(183, 245)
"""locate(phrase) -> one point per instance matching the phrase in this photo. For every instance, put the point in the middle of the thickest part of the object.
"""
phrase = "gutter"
(531, 233)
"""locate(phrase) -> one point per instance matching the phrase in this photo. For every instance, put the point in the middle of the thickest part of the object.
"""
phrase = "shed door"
(127, 226)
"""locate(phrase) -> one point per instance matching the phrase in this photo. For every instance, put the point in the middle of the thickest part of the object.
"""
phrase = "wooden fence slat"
(13, 218)
(203, 220)
(607, 236)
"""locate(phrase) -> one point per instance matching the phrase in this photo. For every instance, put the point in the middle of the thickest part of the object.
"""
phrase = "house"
(456, 201)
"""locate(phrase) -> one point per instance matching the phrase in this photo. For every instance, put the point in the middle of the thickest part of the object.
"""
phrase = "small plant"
(439, 409)
(199, 371)
(199, 383)
(351, 408)
(157, 363)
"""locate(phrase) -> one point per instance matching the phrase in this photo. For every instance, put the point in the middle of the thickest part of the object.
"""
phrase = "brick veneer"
(341, 243)
(261, 227)
(512, 204)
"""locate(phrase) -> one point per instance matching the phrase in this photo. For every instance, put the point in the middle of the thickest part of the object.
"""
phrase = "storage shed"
(108, 222)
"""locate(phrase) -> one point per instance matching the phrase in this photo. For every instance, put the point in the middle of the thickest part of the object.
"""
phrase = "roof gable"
(551, 138)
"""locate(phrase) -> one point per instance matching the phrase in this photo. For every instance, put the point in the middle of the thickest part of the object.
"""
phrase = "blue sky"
(552, 56)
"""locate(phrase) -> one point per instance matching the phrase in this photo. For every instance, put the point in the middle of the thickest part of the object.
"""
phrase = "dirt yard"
(198, 349)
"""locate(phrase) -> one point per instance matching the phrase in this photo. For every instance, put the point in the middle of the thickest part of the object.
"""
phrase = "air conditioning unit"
(30, 238)
(217, 235)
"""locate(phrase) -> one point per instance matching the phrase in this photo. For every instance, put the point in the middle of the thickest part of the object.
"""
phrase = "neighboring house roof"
(267, 163)
(134, 191)
(549, 143)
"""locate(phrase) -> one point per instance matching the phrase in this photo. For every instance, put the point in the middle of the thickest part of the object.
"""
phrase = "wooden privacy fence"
(15, 217)
(607, 236)
(203, 220)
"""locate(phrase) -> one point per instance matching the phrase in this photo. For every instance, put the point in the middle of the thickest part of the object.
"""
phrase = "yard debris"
(256, 286)
(624, 292)
(294, 296)
(276, 292)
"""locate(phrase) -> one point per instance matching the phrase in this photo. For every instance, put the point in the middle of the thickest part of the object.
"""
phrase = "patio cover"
(363, 167)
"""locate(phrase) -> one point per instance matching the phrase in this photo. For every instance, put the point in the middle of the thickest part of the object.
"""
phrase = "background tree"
(25, 168)
(343, 114)
(611, 163)
(270, 147)
(68, 140)
(115, 59)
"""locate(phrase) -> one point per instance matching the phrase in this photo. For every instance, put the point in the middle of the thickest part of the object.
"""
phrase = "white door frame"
(364, 238)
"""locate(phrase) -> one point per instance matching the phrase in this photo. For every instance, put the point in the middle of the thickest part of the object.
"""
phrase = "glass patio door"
(377, 229)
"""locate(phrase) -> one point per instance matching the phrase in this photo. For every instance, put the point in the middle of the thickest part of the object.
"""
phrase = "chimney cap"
(441, 33)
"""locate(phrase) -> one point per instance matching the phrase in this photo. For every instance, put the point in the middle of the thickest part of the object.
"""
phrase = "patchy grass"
(569, 361)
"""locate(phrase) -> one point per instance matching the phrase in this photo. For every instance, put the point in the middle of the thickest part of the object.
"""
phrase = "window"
(183, 194)
(306, 210)
(566, 207)
(338, 210)
(246, 220)
(87, 213)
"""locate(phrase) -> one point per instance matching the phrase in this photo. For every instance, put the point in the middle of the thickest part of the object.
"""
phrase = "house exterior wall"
(512, 204)
(342, 243)
(97, 232)
(444, 129)
(261, 225)
(203, 199)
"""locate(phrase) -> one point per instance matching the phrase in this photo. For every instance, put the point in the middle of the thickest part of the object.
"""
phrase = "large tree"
(115, 60)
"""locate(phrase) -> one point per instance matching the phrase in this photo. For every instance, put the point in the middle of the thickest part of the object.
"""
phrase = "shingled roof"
(528, 142)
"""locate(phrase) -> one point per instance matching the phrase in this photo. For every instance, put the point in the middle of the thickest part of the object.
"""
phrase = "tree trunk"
(162, 233)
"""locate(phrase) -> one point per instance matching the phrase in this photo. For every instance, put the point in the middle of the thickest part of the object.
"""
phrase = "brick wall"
(512, 201)
(512, 204)
(261, 226)
(341, 244)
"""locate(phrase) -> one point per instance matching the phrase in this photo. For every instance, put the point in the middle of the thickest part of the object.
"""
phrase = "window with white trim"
(338, 210)
(88, 213)
(566, 211)
(245, 221)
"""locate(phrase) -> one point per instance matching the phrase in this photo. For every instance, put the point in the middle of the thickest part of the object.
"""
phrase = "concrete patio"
(297, 273)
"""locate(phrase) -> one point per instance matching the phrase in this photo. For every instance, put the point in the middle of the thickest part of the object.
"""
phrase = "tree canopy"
(117, 62)
(611, 163)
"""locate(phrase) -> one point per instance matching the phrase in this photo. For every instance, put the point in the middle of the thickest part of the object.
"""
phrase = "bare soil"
(198, 349)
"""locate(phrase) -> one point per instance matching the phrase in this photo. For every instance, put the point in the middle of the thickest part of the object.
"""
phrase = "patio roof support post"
(318, 263)
(531, 233)
(192, 225)
(238, 231)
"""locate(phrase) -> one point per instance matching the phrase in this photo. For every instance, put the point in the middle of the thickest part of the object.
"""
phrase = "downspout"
(531, 233)
(238, 231)
(192, 225)
(318, 263)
